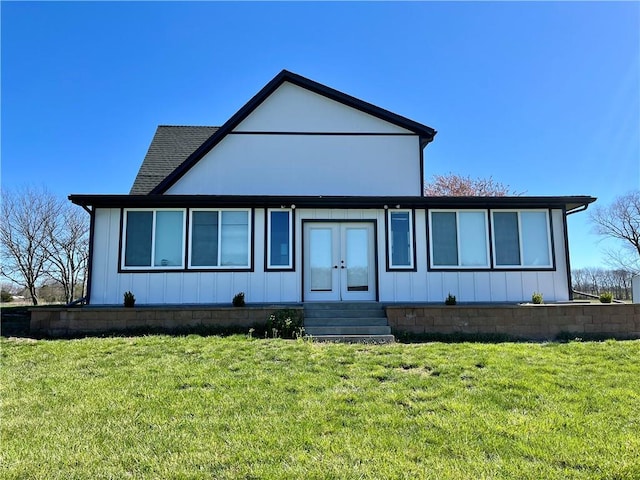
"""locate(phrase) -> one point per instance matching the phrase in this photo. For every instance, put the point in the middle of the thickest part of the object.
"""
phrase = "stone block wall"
(59, 322)
(535, 322)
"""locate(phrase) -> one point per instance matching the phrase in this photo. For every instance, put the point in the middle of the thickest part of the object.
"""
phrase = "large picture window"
(459, 239)
(400, 239)
(279, 239)
(153, 239)
(521, 239)
(220, 239)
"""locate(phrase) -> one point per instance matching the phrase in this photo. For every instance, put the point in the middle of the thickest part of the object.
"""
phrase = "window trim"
(208, 268)
(448, 268)
(123, 241)
(550, 249)
(412, 267)
(267, 253)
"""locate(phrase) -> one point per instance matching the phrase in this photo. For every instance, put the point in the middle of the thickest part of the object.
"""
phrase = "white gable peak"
(291, 108)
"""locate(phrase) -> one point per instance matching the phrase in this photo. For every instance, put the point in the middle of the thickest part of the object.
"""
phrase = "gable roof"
(171, 145)
(425, 133)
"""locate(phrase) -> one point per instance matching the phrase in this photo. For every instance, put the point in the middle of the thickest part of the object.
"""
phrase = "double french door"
(339, 261)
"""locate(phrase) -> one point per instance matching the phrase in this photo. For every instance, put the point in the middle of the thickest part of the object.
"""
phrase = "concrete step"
(344, 310)
(341, 321)
(347, 330)
(347, 322)
(373, 339)
(342, 306)
(345, 313)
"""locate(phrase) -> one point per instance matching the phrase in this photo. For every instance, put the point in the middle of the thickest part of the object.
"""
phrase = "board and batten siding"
(184, 287)
(300, 143)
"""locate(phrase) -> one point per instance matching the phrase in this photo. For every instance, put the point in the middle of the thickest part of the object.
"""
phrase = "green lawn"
(211, 407)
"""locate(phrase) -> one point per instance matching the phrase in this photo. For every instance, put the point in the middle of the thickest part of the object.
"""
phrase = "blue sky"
(543, 96)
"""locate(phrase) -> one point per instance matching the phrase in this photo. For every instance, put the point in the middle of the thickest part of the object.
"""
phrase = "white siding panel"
(403, 291)
(514, 286)
(259, 286)
(294, 109)
(139, 286)
(498, 286)
(530, 284)
(482, 292)
(467, 285)
(289, 165)
(207, 289)
(191, 287)
(174, 288)
(157, 288)
(561, 281)
(420, 281)
(104, 285)
(450, 285)
(291, 287)
(546, 284)
(435, 287)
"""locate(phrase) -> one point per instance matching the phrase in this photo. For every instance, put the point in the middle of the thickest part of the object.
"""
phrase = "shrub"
(285, 323)
(606, 297)
(5, 296)
(450, 300)
(129, 299)
(238, 300)
(537, 298)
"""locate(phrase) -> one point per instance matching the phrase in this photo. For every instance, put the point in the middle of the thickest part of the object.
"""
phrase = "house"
(309, 194)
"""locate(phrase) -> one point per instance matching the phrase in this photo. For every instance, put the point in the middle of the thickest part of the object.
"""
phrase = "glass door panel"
(357, 261)
(320, 259)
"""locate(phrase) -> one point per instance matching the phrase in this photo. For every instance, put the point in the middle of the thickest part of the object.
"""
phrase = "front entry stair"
(354, 322)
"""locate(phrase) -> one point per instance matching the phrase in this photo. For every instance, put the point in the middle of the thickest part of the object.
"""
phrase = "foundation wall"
(535, 322)
(58, 322)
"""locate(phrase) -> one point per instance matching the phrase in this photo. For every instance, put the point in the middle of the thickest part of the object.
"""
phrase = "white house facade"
(308, 194)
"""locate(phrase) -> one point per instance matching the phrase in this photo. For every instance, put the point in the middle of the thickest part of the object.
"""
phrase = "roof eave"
(568, 203)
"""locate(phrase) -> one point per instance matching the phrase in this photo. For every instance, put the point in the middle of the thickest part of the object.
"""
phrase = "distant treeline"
(599, 280)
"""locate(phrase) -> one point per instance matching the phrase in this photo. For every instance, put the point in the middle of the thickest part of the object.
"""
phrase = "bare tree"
(456, 185)
(28, 217)
(68, 250)
(43, 237)
(621, 221)
(594, 281)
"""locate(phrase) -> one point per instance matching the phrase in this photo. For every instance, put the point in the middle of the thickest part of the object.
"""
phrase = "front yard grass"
(210, 407)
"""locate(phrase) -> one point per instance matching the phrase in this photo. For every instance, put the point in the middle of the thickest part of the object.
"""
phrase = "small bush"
(537, 298)
(450, 300)
(238, 300)
(129, 299)
(5, 296)
(606, 297)
(285, 323)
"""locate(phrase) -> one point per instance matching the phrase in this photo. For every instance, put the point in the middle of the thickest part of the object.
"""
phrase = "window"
(153, 239)
(220, 239)
(400, 239)
(279, 239)
(459, 239)
(521, 239)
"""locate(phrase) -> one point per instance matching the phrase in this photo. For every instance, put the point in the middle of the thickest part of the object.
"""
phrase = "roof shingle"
(171, 145)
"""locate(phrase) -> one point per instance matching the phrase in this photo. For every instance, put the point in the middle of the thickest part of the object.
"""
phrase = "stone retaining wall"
(535, 322)
(59, 322)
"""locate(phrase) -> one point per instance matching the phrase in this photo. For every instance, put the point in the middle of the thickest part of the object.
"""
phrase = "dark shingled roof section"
(171, 145)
